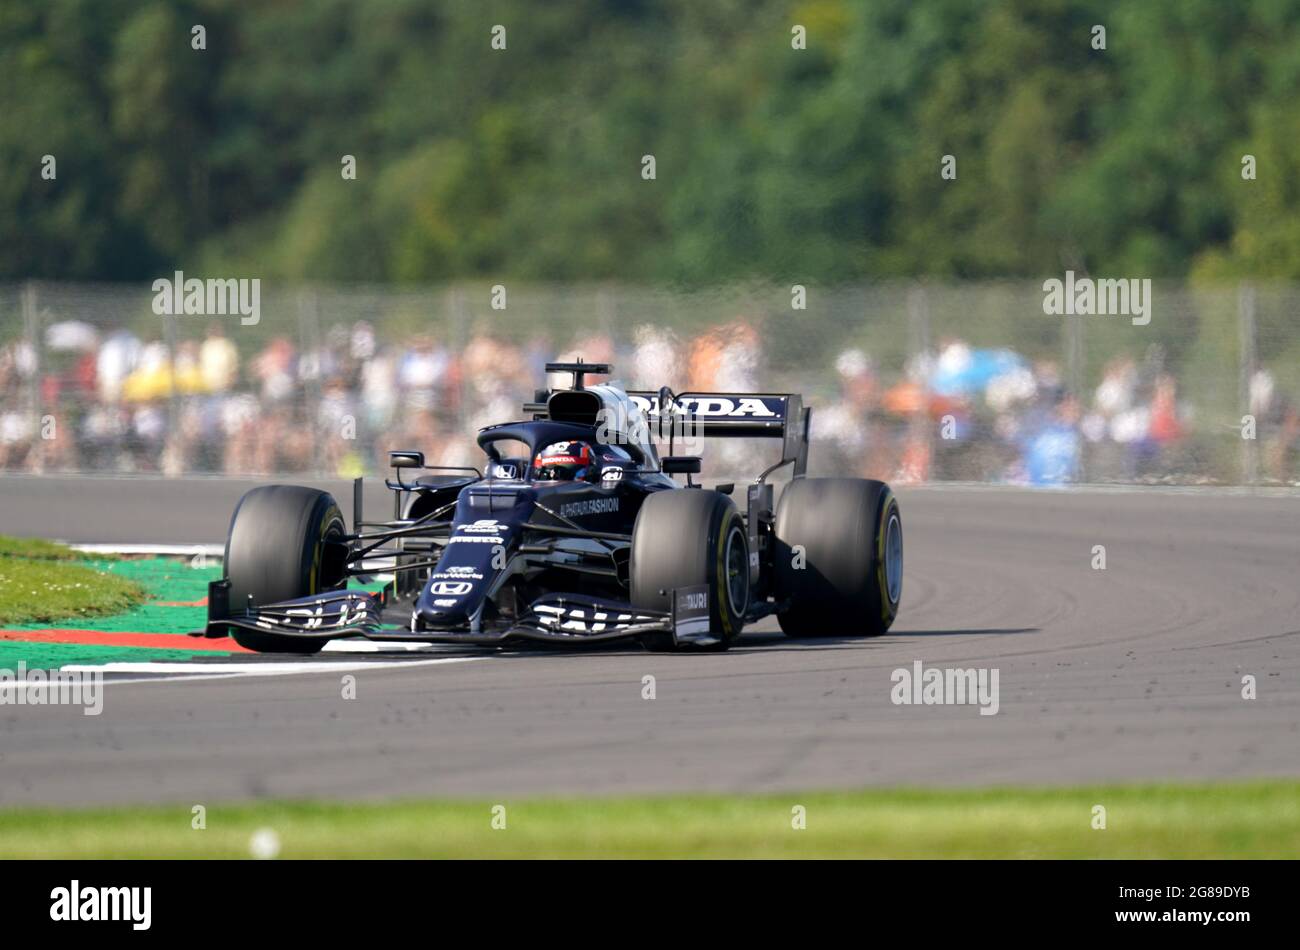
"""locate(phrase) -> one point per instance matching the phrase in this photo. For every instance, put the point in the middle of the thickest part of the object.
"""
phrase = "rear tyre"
(284, 542)
(691, 537)
(839, 557)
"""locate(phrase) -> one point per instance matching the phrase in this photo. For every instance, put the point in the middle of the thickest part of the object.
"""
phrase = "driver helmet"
(563, 462)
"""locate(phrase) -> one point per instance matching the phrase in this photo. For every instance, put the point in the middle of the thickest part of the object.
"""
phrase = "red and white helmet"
(563, 462)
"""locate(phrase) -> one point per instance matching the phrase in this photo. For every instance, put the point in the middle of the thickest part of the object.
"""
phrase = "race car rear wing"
(734, 415)
(737, 415)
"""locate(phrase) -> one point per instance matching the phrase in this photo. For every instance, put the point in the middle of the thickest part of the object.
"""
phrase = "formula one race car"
(576, 533)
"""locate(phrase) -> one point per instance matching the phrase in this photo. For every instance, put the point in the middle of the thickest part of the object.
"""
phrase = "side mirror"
(406, 459)
(680, 465)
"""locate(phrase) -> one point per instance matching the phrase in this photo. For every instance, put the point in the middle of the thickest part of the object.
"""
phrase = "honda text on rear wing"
(734, 415)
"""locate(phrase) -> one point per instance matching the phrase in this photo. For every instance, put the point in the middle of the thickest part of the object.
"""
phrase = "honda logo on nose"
(450, 588)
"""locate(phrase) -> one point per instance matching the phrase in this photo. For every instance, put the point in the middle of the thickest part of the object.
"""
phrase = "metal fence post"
(32, 332)
(1074, 363)
(920, 428)
(918, 321)
(1247, 363)
(309, 347)
(457, 323)
(171, 454)
(606, 313)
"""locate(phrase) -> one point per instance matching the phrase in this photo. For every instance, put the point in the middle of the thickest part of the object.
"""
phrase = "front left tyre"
(285, 542)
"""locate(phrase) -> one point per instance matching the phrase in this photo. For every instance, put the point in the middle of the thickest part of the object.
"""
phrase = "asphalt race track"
(1134, 672)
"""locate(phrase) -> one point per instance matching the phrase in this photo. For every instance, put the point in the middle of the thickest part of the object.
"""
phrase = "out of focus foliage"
(819, 164)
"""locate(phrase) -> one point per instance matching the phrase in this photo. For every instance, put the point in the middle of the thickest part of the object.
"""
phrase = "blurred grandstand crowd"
(97, 401)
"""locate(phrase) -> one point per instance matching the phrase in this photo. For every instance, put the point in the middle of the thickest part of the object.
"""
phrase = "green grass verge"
(51, 656)
(39, 549)
(39, 584)
(1248, 820)
(167, 579)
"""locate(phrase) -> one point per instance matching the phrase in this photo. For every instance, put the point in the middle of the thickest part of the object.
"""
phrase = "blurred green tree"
(816, 164)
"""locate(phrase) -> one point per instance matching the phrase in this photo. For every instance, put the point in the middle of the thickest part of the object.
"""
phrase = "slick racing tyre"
(839, 557)
(283, 543)
(691, 537)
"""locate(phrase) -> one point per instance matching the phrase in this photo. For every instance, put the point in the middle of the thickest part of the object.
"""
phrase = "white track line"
(1094, 488)
(192, 672)
(381, 566)
(215, 551)
(387, 646)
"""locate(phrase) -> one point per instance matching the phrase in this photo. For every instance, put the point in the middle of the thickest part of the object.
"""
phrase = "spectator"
(218, 361)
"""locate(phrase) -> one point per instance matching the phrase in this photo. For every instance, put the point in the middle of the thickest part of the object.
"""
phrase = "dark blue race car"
(577, 532)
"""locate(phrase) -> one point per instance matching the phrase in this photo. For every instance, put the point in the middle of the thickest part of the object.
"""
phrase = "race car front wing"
(553, 618)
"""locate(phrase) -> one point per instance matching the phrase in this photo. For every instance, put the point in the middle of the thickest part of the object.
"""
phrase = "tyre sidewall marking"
(725, 607)
(888, 510)
(332, 514)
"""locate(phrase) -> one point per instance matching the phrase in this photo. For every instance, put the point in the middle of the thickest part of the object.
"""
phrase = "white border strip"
(193, 672)
(216, 551)
(353, 645)
(1094, 488)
